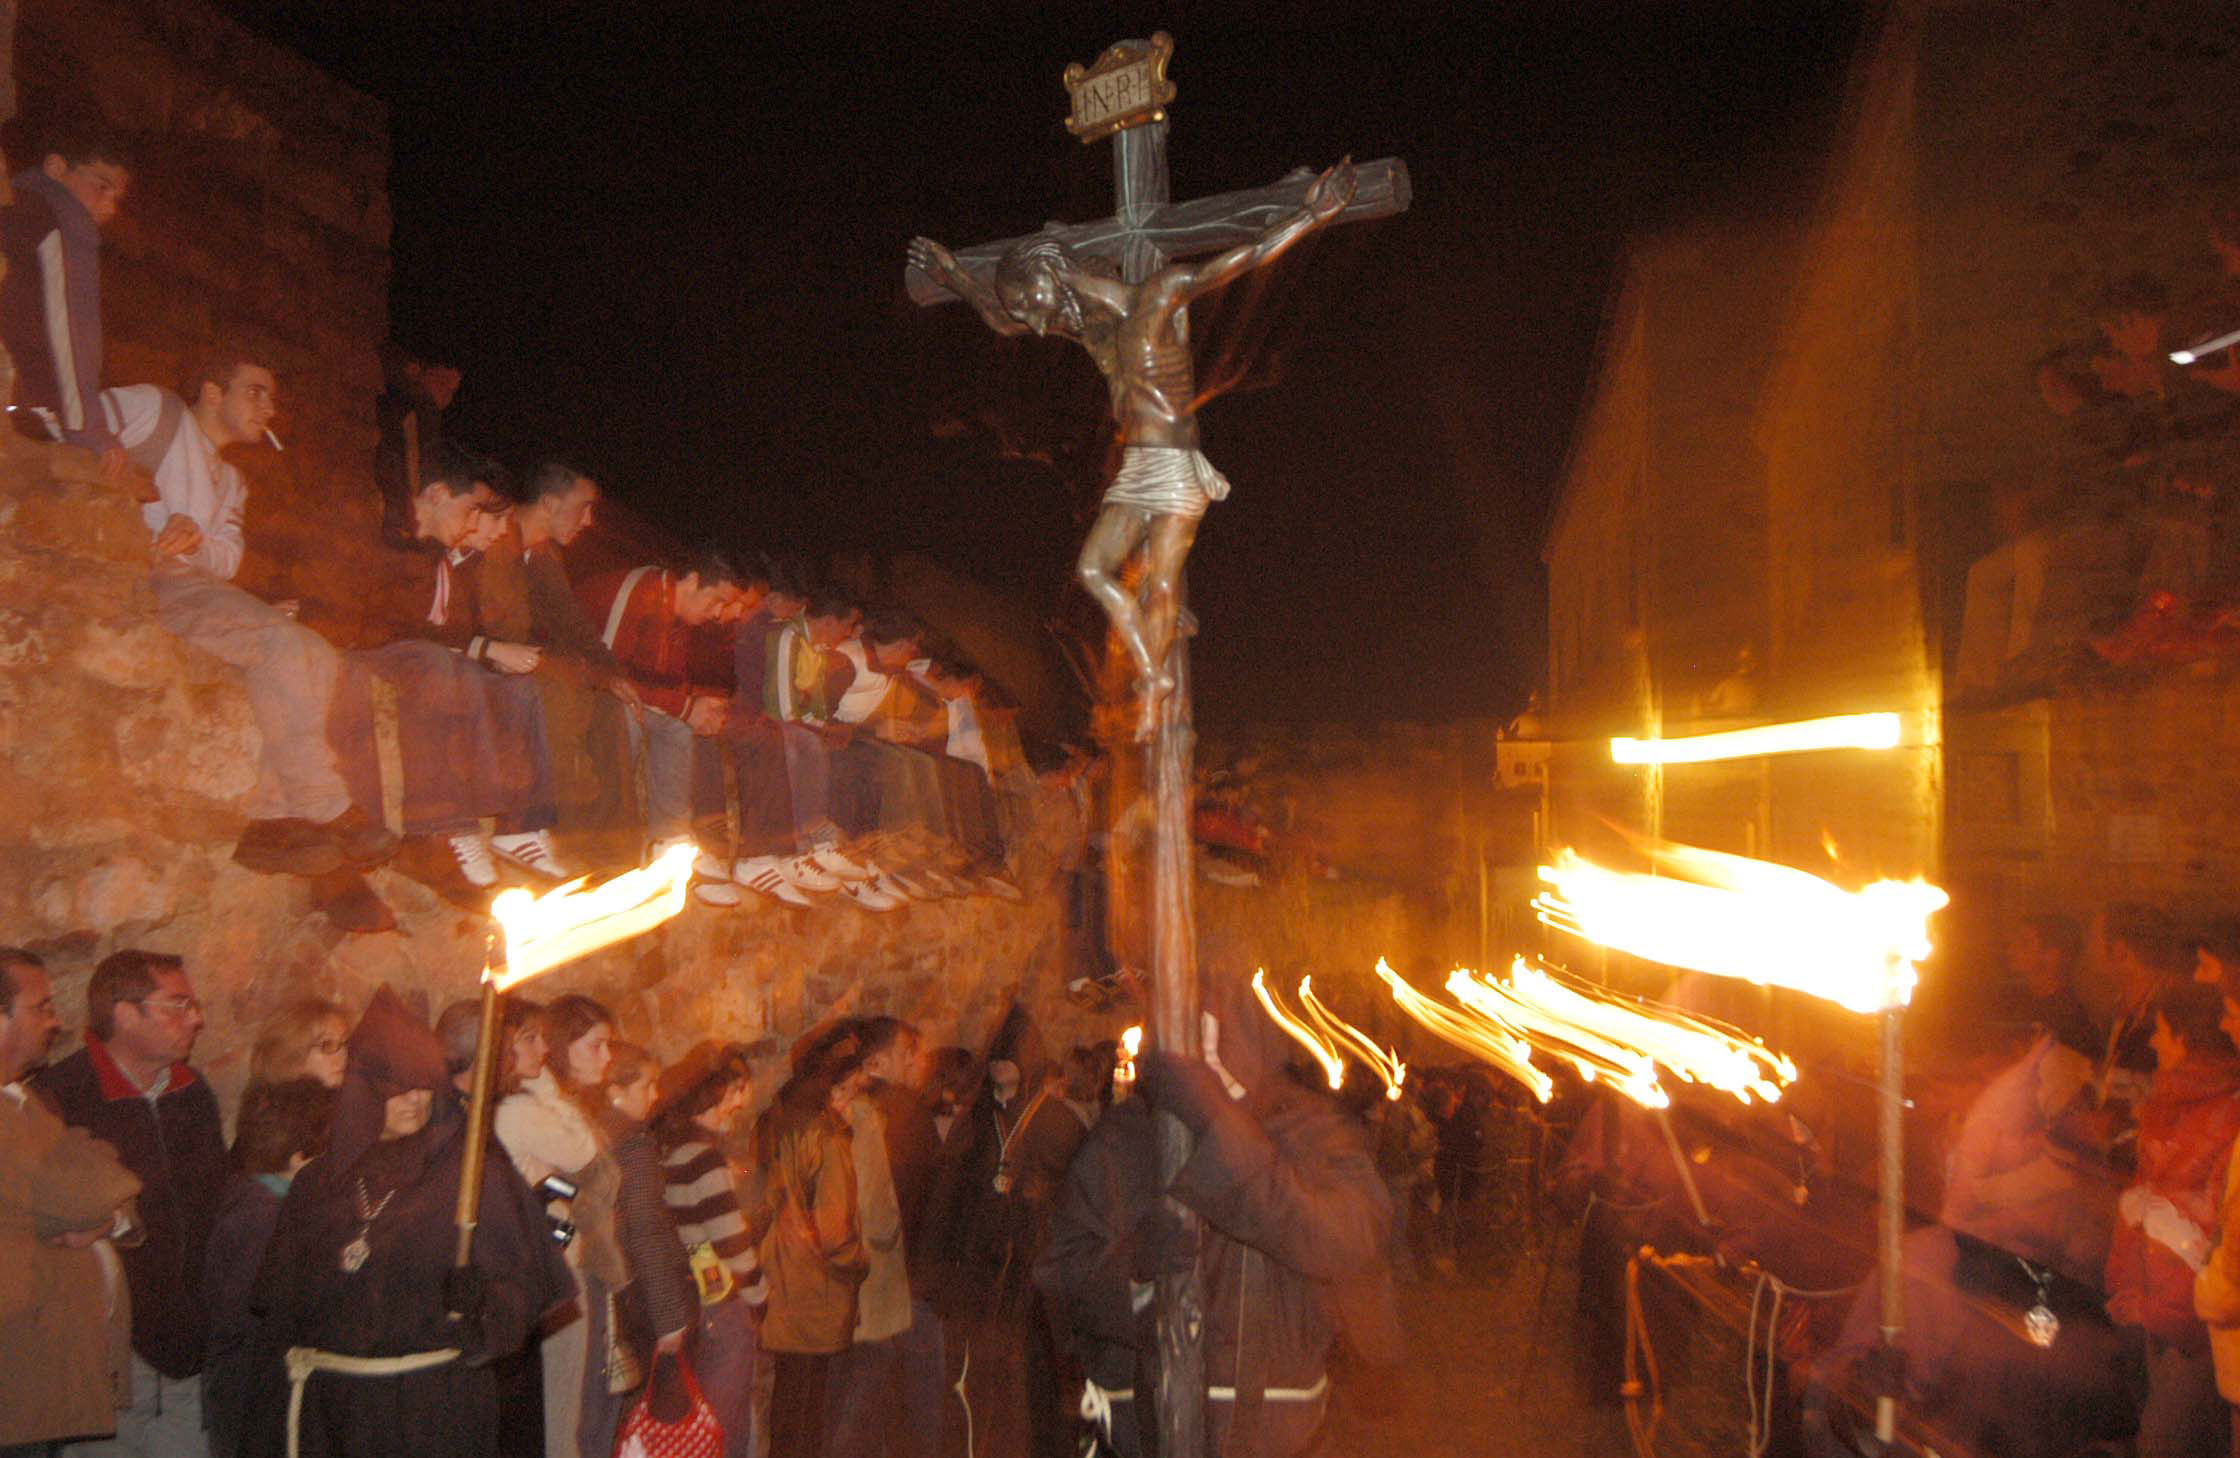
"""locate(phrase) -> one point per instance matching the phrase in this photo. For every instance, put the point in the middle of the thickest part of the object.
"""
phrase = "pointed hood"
(391, 1052)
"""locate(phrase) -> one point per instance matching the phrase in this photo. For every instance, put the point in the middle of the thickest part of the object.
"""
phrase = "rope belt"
(303, 1361)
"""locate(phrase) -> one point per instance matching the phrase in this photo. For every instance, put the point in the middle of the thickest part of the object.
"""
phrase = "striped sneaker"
(532, 851)
(766, 876)
(473, 855)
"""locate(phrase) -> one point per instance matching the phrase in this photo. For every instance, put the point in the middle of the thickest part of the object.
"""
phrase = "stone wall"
(123, 758)
(259, 212)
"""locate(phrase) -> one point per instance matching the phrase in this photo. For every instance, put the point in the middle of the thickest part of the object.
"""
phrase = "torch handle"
(478, 1123)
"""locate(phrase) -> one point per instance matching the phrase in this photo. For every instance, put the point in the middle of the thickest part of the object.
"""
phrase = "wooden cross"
(1124, 96)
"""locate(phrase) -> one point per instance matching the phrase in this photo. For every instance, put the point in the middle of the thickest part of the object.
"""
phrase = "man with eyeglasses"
(131, 1087)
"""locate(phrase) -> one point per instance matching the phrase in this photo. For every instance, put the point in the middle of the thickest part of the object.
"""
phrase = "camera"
(559, 1227)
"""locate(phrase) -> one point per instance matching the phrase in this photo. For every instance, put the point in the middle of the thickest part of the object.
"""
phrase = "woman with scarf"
(371, 1344)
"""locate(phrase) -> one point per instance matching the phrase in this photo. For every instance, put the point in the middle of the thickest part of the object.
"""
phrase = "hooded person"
(361, 1318)
(1293, 1252)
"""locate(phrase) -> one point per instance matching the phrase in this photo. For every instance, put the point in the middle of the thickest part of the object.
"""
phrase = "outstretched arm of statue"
(940, 265)
(1327, 197)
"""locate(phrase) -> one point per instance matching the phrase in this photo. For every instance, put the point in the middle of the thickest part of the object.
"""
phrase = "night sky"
(669, 238)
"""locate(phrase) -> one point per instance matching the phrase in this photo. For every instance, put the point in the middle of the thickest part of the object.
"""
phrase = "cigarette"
(2193, 352)
(268, 435)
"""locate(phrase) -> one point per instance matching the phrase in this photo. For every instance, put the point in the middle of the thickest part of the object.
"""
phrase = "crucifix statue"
(1138, 333)
(1113, 287)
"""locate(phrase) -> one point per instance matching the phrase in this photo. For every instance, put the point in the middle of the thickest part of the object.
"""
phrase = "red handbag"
(672, 1419)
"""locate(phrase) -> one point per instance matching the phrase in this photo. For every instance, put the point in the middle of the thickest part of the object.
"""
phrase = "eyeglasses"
(329, 1046)
(183, 1006)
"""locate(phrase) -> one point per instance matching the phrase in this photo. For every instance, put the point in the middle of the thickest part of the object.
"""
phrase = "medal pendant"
(2041, 1325)
(358, 1252)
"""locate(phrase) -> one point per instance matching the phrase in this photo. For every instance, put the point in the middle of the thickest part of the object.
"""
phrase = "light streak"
(1472, 1032)
(268, 435)
(1764, 923)
(1333, 1066)
(1622, 1041)
(1384, 1062)
(1843, 731)
(577, 919)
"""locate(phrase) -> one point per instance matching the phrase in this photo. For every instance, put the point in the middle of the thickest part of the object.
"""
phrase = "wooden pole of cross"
(1124, 96)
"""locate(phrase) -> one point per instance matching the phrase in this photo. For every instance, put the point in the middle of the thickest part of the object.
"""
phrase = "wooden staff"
(478, 1120)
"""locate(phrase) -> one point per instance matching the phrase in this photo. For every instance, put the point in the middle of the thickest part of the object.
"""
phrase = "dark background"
(669, 239)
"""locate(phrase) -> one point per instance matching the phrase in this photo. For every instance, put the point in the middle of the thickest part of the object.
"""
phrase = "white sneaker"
(716, 893)
(709, 868)
(531, 850)
(804, 872)
(766, 876)
(870, 895)
(838, 866)
(912, 886)
(473, 856)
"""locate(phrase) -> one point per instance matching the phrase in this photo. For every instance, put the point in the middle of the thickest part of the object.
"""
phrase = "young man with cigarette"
(304, 822)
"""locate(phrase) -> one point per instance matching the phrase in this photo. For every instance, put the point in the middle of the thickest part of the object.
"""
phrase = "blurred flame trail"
(1844, 731)
(1472, 1032)
(1624, 1042)
(576, 919)
(1333, 1066)
(1736, 917)
(1384, 1062)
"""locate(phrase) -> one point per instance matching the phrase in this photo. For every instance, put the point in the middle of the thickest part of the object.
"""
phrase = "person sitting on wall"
(798, 695)
(769, 860)
(303, 821)
(526, 597)
(470, 731)
(50, 294)
(410, 416)
(646, 616)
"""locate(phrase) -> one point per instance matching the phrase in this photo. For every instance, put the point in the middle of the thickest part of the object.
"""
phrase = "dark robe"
(1296, 1233)
(393, 1305)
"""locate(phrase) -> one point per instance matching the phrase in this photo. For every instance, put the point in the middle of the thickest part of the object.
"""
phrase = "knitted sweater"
(705, 1205)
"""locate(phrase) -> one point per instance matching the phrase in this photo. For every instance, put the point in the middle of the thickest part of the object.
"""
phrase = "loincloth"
(1166, 481)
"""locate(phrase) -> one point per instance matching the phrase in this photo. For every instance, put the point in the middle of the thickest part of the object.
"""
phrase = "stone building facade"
(1802, 453)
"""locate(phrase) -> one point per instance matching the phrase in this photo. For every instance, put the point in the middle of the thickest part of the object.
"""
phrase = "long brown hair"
(285, 1040)
(567, 1019)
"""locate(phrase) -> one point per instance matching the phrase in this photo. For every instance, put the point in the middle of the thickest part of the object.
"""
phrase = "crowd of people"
(908, 1250)
(814, 748)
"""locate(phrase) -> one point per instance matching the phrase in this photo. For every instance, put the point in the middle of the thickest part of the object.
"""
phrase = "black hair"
(279, 1121)
(827, 603)
(217, 365)
(454, 469)
(554, 476)
(791, 576)
(2194, 1011)
(889, 625)
(2136, 293)
(84, 141)
(713, 566)
(125, 976)
(881, 1031)
(2150, 934)
(2060, 933)
(10, 989)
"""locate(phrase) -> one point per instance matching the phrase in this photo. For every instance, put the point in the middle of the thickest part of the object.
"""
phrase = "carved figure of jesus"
(1138, 335)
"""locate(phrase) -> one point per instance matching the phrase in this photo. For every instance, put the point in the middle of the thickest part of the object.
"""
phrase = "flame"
(1473, 1032)
(1131, 1044)
(1764, 923)
(577, 919)
(1384, 1062)
(1624, 1042)
(1843, 731)
(1333, 1066)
